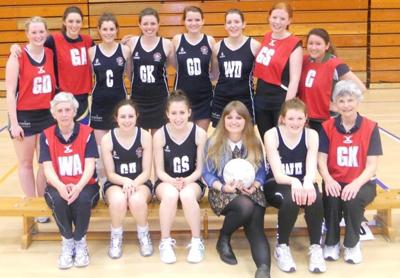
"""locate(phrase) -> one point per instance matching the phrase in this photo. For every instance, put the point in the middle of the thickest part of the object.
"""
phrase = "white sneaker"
(42, 219)
(146, 246)
(317, 262)
(284, 258)
(196, 251)
(353, 255)
(81, 253)
(167, 253)
(332, 252)
(65, 260)
(115, 249)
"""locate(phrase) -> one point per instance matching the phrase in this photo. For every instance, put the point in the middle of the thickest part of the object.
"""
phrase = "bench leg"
(29, 227)
(384, 217)
(205, 224)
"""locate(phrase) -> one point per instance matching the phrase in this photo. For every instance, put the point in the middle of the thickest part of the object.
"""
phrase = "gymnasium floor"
(380, 257)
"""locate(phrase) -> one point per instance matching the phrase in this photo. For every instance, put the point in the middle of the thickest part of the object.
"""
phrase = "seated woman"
(127, 153)
(68, 151)
(178, 152)
(234, 137)
(348, 158)
(292, 154)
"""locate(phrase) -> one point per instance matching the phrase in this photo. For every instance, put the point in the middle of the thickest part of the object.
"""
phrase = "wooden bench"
(29, 208)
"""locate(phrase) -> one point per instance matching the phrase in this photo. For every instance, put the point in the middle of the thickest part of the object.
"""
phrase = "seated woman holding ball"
(292, 154)
(234, 137)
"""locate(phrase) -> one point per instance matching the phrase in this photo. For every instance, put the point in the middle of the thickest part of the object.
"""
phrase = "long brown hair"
(323, 34)
(70, 10)
(218, 144)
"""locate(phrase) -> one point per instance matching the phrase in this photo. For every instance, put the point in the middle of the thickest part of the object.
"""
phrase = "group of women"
(185, 162)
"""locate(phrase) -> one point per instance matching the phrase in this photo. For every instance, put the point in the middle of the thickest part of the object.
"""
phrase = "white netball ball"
(239, 169)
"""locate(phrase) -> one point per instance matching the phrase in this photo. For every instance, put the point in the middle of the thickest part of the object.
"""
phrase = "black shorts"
(83, 113)
(102, 117)
(203, 187)
(34, 121)
(108, 184)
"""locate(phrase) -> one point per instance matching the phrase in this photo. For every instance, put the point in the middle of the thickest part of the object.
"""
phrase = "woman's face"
(64, 114)
(316, 47)
(108, 31)
(347, 105)
(193, 22)
(149, 25)
(36, 33)
(73, 24)
(279, 21)
(234, 25)
(234, 123)
(178, 114)
(126, 117)
(294, 120)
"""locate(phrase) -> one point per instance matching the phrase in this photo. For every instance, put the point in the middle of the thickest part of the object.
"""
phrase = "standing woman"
(127, 155)
(277, 67)
(178, 153)
(193, 51)
(349, 148)
(30, 86)
(321, 70)
(234, 137)
(234, 58)
(68, 152)
(108, 61)
(150, 56)
(292, 154)
(72, 69)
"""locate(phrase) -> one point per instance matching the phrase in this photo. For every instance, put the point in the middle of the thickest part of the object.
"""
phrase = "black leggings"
(280, 196)
(242, 211)
(77, 213)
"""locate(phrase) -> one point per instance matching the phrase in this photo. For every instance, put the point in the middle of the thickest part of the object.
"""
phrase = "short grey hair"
(64, 97)
(347, 88)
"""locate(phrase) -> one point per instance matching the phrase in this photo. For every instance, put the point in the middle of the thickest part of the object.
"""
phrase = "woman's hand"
(297, 191)
(349, 192)
(15, 50)
(64, 193)
(17, 132)
(230, 187)
(128, 187)
(309, 193)
(332, 188)
(125, 39)
(74, 192)
(249, 190)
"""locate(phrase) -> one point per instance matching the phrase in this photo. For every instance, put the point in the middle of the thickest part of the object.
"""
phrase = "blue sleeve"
(375, 144)
(91, 147)
(261, 174)
(323, 141)
(209, 173)
(44, 154)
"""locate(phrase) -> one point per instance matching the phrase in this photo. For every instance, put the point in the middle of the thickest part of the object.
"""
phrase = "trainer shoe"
(115, 249)
(284, 258)
(81, 253)
(353, 255)
(196, 251)
(332, 252)
(167, 253)
(42, 219)
(317, 262)
(65, 260)
(146, 246)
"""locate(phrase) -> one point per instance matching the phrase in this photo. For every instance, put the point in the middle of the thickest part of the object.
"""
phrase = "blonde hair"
(35, 19)
(218, 142)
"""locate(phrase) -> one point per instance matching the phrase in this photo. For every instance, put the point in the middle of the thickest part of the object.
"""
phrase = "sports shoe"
(81, 253)
(167, 253)
(284, 258)
(353, 255)
(42, 219)
(146, 246)
(66, 260)
(196, 251)
(115, 249)
(332, 252)
(317, 262)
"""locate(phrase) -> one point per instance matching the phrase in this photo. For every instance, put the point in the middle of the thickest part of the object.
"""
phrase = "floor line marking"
(8, 173)
(390, 134)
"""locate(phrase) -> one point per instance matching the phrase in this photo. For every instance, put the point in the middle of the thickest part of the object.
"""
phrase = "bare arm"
(126, 51)
(255, 46)
(214, 74)
(311, 158)
(332, 187)
(92, 53)
(169, 51)
(12, 72)
(158, 144)
(351, 76)
(295, 64)
(201, 137)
